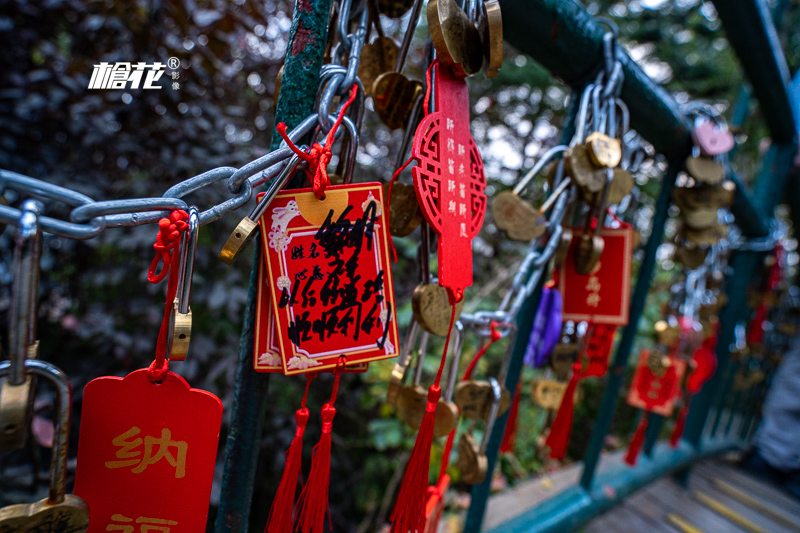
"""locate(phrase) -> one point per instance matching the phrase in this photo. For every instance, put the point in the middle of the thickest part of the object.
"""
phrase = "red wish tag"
(328, 277)
(598, 350)
(656, 386)
(603, 295)
(146, 453)
(267, 352)
(449, 180)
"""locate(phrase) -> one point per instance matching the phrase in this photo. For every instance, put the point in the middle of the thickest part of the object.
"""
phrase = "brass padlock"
(432, 309)
(658, 363)
(604, 151)
(706, 237)
(590, 245)
(412, 399)
(404, 212)
(456, 39)
(620, 186)
(581, 169)
(518, 218)
(547, 394)
(490, 26)
(246, 229)
(180, 320)
(705, 169)
(472, 461)
(16, 391)
(59, 512)
(377, 57)
(690, 257)
(700, 218)
(565, 354)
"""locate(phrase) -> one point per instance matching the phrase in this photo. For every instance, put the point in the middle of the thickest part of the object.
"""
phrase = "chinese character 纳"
(128, 457)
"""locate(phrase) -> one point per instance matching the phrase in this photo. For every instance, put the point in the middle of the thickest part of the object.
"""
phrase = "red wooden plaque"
(655, 393)
(329, 278)
(146, 454)
(449, 179)
(603, 295)
(267, 352)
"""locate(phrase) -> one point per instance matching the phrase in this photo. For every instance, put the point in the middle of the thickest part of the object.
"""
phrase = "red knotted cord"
(319, 156)
(167, 240)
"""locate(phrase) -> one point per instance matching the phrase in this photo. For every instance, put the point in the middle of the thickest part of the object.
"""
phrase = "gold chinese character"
(593, 285)
(120, 518)
(145, 524)
(131, 458)
(593, 300)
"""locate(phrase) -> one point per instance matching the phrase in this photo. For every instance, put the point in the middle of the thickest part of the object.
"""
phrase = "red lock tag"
(146, 453)
(656, 391)
(603, 295)
(329, 279)
(449, 180)
(267, 352)
(598, 350)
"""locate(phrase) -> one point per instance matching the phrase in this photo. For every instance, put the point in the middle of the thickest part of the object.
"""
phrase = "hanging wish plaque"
(328, 277)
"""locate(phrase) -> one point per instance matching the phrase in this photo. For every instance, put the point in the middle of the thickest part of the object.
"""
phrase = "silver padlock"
(59, 512)
(16, 398)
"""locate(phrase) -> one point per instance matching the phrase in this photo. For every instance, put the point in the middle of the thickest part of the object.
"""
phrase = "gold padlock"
(705, 169)
(432, 309)
(604, 151)
(59, 512)
(472, 461)
(246, 229)
(180, 325)
(16, 408)
(547, 394)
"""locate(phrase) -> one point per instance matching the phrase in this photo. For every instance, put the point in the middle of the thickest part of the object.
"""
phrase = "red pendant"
(603, 295)
(598, 350)
(449, 180)
(146, 453)
(656, 392)
(329, 279)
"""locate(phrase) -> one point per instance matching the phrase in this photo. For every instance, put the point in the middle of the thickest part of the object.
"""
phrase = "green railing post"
(304, 55)
(654, 425)
(616, 371)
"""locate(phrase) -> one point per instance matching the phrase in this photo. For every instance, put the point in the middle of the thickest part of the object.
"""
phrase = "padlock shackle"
(452, 372)
(407, 36)
(61, 422)
(548, 155)
(187, 250)
(497, 396)
(276, 185)
(25, 289)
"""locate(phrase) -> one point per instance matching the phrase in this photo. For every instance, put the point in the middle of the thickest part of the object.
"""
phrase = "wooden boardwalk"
(720, 498)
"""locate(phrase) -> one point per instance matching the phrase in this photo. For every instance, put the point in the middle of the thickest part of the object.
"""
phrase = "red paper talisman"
(146, 453)
(603, 295)
(328, 276)
(449, 180)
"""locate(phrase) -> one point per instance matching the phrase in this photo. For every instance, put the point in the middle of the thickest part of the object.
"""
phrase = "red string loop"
(319, 156)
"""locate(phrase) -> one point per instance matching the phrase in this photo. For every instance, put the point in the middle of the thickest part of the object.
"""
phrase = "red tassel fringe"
(637, 441)
(510, 436)
(314, 498)
(409, 509)
(562, 425)
(680, 424)
(280, 515)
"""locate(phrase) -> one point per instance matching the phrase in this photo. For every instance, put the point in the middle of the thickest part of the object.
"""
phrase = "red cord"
(319, 156)
(167, 240)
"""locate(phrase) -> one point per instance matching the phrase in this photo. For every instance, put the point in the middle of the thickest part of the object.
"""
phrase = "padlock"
(490, 27)
(705, 237)
(604, 151)
(475, 397)
(59, 512)
(16, 391)
(454, 36)
(690, 257)
(712, 139)
(565, 354)
(246, 229)
(705, 169)
(620, 186)
(404, 212)
(700, 218)
(472, 461)
(412, 399)
(581, 169)
(377, 57)
(658, 363)
(590, 244)
(180, 320)
(547, 393)
(400, 367)
(432, 310)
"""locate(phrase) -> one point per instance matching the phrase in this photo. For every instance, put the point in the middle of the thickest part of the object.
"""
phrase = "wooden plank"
(681, 524)
(777, 516)
(725, 511)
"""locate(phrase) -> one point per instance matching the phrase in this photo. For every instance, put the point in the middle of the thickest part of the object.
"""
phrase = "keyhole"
(182, 336)
(9, 428)
(238, 235)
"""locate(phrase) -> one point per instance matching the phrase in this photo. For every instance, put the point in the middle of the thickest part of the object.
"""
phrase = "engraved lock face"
(620, 186)
(705, 170)
(474, 399)
(547, 394)
(456, 40)
(588, 252)
(377, 57)
(404, 211)
(582, 171)
(432, 309)
(445, 418)
(238, 240)
(471, 463)
(517, 218)
(394, 8)
(604, 151)
(658, 363)
(490, 27)
(393, 97)
(411, 403)
(563, 357)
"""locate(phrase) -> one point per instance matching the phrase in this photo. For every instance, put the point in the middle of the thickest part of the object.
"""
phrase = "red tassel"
(409, 509)
(680, 423)
(280, 515)
(314, 498)
(562, 425)
(510, 436)
(637, 441)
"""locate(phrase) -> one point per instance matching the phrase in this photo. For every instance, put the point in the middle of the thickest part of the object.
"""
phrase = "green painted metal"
(752, 35)
(304, 56)
(722, 395)
(576, 506)
(563, 37)
(616, 370)
(654, 425)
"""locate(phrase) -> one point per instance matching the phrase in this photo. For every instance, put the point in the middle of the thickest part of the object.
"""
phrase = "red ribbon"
(167, 240)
